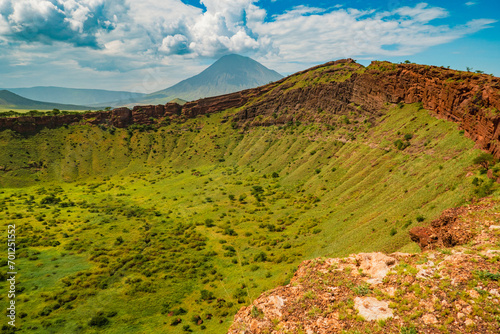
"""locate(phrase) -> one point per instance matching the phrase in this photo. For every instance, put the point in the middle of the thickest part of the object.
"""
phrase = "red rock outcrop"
(472, 100)
(469, 99)
(219, 103)
(120, 118)
(449, 230)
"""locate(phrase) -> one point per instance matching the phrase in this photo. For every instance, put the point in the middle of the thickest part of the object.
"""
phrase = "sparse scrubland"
(174, 229)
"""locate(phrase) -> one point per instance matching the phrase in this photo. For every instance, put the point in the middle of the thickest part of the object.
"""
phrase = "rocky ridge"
(451, 290)
(330, 93)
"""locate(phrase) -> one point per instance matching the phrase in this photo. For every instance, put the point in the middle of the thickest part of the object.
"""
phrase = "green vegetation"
(25, 112)
(408, 330)
(174, 229)
(484, 160)
(322, 75)
(486, 275)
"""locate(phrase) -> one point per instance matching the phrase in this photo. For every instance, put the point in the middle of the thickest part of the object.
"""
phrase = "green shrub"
(175, 321)
(206, 295)
(482, 188)
(408, 330)
(257, 190)
(401, 145)
(362, 290)
(408, 136)
(486, 275)
(256, 312)
(179, 311)
(484, 160)
(261, 257)
(229, 231)
(51, 199)
(240, 293)
(98, 321)
(119, 240)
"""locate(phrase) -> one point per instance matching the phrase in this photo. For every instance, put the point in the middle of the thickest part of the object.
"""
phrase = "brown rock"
(372, 309)
(469, 323)
(375, 265)
(421, 235)
(429, 319)
(474, 294)
(446, 231)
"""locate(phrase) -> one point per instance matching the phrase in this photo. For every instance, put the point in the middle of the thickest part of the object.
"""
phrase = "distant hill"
(179, 101)
(87, 97)
(9, 100)
(229, 74)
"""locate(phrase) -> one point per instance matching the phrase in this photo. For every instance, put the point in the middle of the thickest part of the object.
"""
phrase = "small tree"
(257, 190)
(209, 222)
(484, 160)
(98, 321)
(119, 240)
(206, 295)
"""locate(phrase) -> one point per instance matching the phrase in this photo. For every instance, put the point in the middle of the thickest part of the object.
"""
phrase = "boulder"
(372, 309)
(375, 265)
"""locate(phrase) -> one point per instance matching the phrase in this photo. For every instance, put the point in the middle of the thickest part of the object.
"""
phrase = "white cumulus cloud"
(152, 36)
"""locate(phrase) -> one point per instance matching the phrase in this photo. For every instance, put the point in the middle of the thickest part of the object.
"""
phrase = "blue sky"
(148, 45)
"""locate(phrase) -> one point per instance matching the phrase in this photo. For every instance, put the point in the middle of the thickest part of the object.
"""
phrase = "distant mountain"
(87, 97)
(9, 100)
(229, 74)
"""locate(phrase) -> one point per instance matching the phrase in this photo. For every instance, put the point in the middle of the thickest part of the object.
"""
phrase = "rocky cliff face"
(339, 88)
(471, 100)
(343, 88)
(453, 290)
(120, 118)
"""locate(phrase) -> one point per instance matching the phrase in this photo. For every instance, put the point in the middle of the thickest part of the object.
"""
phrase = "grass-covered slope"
(141, 231)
